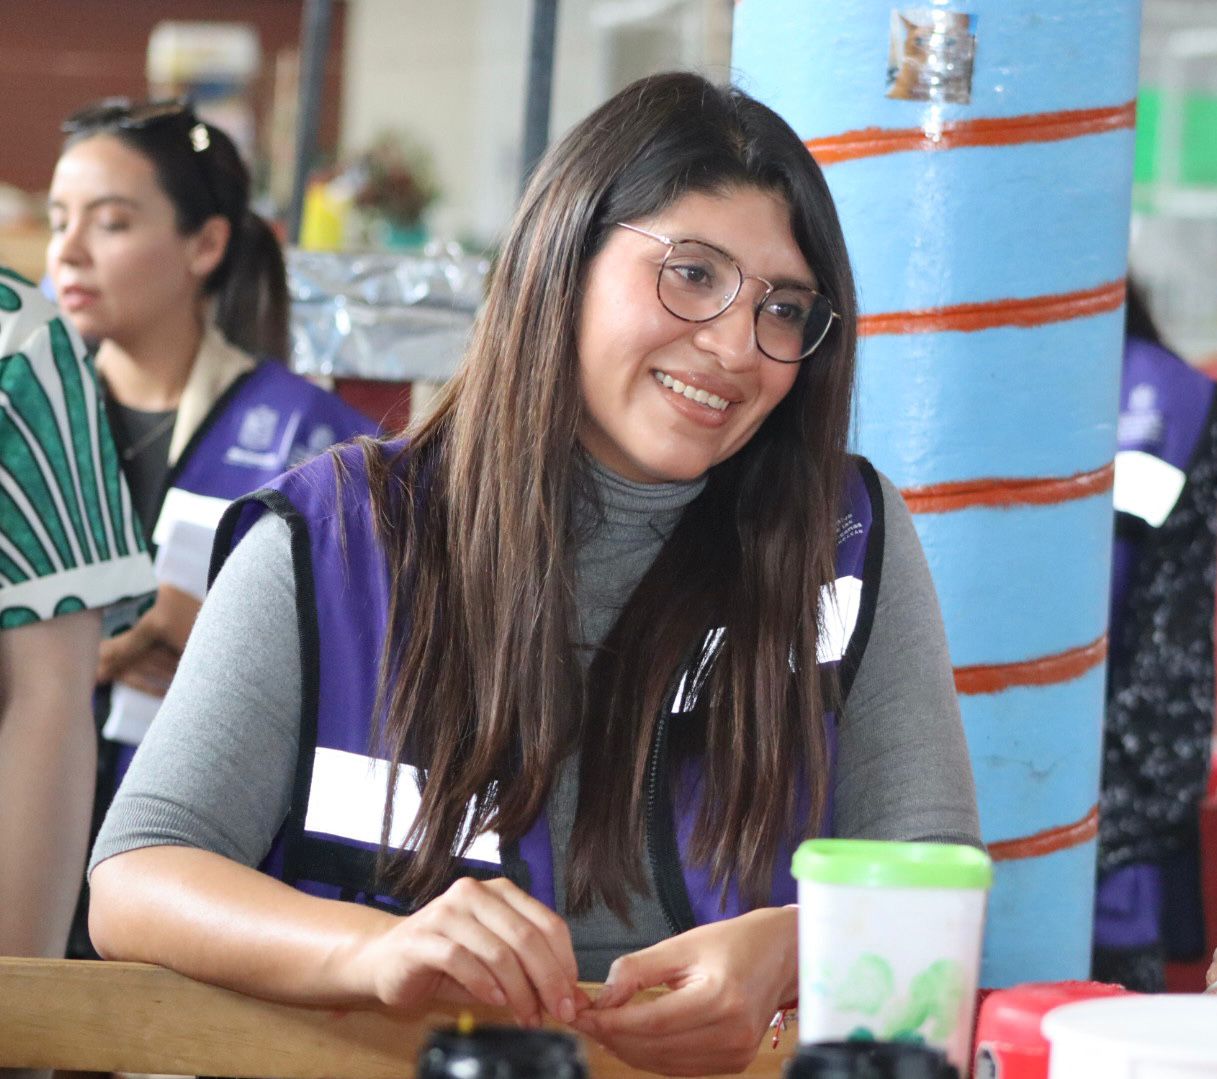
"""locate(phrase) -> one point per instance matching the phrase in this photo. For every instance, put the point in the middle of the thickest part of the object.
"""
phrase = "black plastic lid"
(869, 1060)
(501, 1053)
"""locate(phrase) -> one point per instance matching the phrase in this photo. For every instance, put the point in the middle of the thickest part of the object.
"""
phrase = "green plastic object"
(872, 863)
(1198, 149)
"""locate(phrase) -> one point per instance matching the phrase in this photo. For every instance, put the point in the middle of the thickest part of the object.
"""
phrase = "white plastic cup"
(889, 941)
(1166, 1036)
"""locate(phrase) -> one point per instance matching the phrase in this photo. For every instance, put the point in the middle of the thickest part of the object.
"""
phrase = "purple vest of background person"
(1165, 412)
(328, 843)
(266, 422)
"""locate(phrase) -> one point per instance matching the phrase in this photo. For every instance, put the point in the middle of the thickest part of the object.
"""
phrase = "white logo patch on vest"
(1140, 424)
(258, 428)
(256, 443)
(347, 801)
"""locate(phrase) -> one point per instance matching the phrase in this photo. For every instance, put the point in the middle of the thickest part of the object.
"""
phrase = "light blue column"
(997, 221)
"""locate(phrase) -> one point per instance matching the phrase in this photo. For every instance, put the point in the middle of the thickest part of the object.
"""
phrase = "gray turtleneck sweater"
(216, 769)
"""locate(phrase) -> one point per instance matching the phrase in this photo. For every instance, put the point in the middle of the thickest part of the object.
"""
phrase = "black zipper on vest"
(661, 729)
(663, 847)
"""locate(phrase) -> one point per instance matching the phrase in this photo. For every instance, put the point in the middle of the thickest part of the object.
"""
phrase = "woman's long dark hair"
(249, 285)
(480, 686)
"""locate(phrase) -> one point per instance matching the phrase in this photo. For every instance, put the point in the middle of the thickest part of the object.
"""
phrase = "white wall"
(452, 75)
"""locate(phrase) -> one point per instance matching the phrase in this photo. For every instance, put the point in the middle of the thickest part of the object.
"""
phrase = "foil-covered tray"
(392, 316)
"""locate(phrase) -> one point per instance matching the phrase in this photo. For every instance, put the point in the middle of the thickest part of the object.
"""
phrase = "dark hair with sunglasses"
(751, 552)
(200, 170)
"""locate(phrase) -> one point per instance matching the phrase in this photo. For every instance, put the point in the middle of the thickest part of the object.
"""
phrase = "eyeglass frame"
(124, 115)
(770, 288)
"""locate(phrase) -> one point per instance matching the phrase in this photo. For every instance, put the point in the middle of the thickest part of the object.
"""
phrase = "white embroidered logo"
(258, 428)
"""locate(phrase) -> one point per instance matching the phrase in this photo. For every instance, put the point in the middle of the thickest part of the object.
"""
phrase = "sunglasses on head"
(125, 115)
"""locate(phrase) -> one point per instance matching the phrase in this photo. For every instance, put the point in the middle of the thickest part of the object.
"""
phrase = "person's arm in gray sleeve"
(215, 770)
(903, 769)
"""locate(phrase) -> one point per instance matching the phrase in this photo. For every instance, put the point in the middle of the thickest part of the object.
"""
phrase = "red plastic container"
(1009, 1044)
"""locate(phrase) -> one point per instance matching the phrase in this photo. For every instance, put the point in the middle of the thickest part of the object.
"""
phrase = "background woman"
(1159, 722)
(619, 626)
(158, 260)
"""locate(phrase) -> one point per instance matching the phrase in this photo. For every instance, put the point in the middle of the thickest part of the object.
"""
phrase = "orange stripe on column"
(1047, 842)
(1041, 671)
(969, 317)
(990, 131)
(945, 497)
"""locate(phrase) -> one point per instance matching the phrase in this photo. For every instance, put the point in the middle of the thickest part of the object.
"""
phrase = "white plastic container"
(1136, 1037)
(889, 941)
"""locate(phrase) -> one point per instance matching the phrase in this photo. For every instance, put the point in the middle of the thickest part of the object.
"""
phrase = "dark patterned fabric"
(1143, 970)
(1160, 681)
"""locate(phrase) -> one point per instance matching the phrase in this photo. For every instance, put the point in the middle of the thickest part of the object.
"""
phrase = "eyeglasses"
(124, 115)
(697, 282)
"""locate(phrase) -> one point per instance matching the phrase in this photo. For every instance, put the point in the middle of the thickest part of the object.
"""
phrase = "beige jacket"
(217, 366)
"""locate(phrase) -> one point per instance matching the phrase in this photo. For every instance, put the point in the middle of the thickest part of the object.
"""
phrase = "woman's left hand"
(146, 655)
(727, 979)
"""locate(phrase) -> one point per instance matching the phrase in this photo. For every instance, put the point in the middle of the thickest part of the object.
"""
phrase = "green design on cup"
(929, 1011)
(934, 997)
(866, 987)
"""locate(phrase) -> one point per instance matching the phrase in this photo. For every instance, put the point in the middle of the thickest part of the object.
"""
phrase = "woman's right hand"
(218, 921)
(486, 941)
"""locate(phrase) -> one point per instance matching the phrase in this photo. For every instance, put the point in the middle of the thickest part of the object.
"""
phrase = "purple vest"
(329, 841)
(266, 422)
(1164, 405)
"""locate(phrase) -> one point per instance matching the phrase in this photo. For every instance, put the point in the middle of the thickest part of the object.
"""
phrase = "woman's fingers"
(152, 671)
(487, 939)
(435, 964)
(656, 965)
(726, 977)
(525, 945)
(508, 968)
(691, 1031)
(116, 654)
(690, 1008)
(542, 940)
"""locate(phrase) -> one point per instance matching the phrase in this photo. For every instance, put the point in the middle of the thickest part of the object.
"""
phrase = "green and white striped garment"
(68, 538)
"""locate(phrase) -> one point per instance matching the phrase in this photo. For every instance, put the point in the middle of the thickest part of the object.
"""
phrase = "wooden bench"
(131, 1017)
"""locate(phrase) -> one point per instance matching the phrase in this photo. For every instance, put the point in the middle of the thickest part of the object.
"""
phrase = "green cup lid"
(882, 864)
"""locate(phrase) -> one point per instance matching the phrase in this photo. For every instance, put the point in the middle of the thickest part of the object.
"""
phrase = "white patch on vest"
(1146, 486)
(182, 505)
(840, 603)
(347, 800)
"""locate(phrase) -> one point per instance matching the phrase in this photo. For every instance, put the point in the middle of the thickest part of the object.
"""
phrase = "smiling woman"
(554, 688)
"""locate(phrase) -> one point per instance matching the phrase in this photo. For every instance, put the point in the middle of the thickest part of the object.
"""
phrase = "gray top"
(619, 536)
(142, 440)
(216, 769)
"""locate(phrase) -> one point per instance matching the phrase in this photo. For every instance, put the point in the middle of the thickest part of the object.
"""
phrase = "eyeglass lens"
(698, 282)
